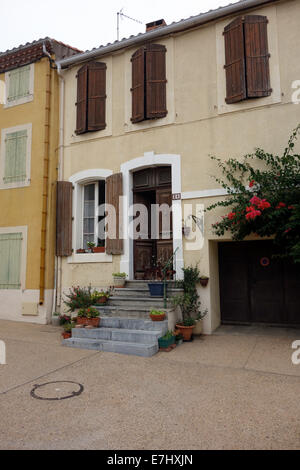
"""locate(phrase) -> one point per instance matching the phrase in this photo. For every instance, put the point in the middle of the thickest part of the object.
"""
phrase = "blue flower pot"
(156, 289)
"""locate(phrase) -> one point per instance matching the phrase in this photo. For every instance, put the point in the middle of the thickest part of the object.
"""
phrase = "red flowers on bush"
(281, 205)
(251, 184)
(231, 215)
(252, 214)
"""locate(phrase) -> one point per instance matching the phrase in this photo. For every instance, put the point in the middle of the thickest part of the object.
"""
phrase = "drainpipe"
(58, 273)
(45, 182)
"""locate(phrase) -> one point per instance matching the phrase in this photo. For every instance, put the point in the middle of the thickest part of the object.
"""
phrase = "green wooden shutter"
(10, 255)
(19, 83)
(15, 157)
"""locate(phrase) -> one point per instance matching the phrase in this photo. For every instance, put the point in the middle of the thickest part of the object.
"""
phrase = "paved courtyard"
(237, 389)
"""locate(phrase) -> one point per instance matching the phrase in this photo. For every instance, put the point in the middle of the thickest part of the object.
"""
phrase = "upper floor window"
(247, 58)
(19, 85)
(91, 98)
(15, 161)
(149, 83)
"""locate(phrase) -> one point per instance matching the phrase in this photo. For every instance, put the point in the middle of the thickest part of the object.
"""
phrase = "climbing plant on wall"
(263, 197)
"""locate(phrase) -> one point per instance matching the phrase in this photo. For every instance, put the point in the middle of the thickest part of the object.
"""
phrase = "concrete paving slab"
(28, 360)
(273, 355)
(216, 350)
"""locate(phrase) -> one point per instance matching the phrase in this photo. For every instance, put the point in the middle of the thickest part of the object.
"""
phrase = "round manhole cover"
(56, 390)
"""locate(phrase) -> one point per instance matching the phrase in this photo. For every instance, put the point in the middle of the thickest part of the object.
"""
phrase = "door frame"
(151, 160)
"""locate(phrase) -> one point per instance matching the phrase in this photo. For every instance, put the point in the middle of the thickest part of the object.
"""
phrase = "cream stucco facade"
(199, 123)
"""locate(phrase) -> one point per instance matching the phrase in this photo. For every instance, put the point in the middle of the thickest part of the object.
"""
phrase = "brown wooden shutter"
(64, 195)
(82, 84)
(235, 61)
(257, 56)
(156, 90)
(96, 96)
(138, 85)
(114, 189)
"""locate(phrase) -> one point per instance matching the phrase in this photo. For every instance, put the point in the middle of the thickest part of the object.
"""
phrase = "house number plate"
(176, 197)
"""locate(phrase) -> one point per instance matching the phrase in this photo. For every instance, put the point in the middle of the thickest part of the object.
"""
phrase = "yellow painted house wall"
(23, 206)
(198, 124)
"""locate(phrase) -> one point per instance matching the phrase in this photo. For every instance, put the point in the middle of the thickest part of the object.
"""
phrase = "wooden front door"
(255, 287)
(153, 186)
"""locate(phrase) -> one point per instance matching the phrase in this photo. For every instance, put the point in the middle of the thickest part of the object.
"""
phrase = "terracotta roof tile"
(32, 52)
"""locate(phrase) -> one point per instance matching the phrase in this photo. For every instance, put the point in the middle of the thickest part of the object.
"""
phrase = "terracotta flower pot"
(186, 331)
(95, 322)
(102, 300)
(158, 317)
(66, 335)
(81, 321)
(99, 249)
(204, 282)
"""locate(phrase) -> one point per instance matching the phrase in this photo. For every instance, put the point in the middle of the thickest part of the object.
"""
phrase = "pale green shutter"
(10, 256)
(15, 157)
(24, 81)
(13, 85)
(19, 83)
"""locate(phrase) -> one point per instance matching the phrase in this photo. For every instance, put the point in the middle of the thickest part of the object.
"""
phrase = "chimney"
(155, 25)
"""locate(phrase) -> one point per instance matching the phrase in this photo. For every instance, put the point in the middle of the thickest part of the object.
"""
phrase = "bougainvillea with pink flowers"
(263, 197)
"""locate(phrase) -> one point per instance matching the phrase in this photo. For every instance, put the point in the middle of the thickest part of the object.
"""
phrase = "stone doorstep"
(132, 349)
(118, 334)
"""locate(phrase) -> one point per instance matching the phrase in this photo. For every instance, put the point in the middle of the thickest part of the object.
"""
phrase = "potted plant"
(88, 317)
(188, 302)
(78, 297)
(199, 325)
(204, 281)
(178, 338)
(157, 315)
(160, 276)
(80, 251)
(119, 280)
(166, 341)
(67, 333)
(91, 246)
(101, 297)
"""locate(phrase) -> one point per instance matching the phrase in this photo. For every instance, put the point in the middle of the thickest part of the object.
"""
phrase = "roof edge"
(182, 25)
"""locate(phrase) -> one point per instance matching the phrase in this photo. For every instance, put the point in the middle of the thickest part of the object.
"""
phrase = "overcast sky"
(88, 23)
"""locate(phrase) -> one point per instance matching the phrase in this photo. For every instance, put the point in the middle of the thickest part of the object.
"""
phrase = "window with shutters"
(247, 59)
(11, 256)
(93, 197)
(149, 83)
(19, 85)
(15, 164)
(91, 98)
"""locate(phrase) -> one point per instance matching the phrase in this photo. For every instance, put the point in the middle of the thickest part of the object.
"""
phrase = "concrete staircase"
(125, 326)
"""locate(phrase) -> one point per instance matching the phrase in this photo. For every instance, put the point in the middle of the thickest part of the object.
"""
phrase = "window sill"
(23, 100)
(15, 185)
(84, 258)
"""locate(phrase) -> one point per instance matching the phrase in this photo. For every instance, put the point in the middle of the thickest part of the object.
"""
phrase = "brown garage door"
(255, 287)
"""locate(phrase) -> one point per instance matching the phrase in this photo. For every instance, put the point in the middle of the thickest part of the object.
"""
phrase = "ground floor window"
(93, 198)
(10, 256)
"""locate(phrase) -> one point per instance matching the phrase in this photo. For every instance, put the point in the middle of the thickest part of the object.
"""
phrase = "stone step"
(150, 302)
(143, 292)
(133, 349)
(134, 324)
(118, 334)
(140, 312)
(144, 284)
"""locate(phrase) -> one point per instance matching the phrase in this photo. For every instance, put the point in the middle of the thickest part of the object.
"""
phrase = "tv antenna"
(121, 15)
